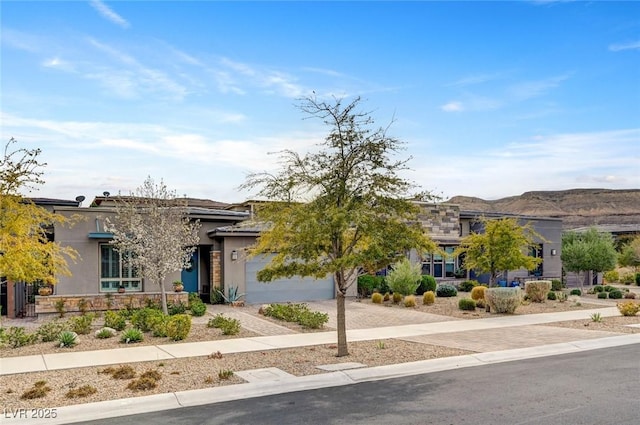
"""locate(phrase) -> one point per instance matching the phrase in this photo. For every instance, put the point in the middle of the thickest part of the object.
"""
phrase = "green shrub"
(477, 293)
(131, 336)
(144, 318)
(615, 294)
(396, 298)
(575, 291)
(628, 308)
(466, 304)
(313, 319)
(366, 285)
(386, 297)
(16, 337)
(381, 284)
(637, 278)
(551, 296)
(445, 290)
(115, 320)
(49, 331)
(405, 277)
(608, 288)
(377, 298)
(410, 301)
(81, 324)
(503, 300)
(467, 285)
(105, 333)
(428, 298)
(176, 308)
(228, 326)
(427, 283)
(603, 295)
(598, 288)
(628, 278)
(612, 276)
(68, 339)
(178, 326)
(556, 285)
(198, 308)
(537, 290)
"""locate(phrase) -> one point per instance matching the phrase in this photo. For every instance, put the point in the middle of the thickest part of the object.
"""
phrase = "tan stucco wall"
(234, 271)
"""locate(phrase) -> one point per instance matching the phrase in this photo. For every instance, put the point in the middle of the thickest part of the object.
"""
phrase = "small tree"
(503, 245)
(630, 254)
(405, 277)
(340, 209)
(26, 252)
(152, 230)
(588, 251)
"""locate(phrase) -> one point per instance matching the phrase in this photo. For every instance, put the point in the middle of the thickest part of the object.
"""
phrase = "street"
(594, 387)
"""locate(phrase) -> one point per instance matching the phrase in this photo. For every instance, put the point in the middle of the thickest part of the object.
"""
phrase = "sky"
(491, 99)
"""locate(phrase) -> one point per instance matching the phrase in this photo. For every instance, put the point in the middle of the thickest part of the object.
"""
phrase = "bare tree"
(153, 232)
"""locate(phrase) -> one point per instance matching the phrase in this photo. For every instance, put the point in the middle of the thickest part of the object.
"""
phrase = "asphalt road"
(596, 387)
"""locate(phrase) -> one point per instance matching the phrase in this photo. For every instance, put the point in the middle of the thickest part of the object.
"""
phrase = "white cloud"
(635, 45)
(109, 14)
(60, 64)
(452, 107)
(530, 89)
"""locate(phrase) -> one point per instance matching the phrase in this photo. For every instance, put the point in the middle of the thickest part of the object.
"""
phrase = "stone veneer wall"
(100, 302)
(216, 270)
(440, 220)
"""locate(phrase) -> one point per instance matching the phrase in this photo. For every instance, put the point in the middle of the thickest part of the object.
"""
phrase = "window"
(115, 273)
(536, 252)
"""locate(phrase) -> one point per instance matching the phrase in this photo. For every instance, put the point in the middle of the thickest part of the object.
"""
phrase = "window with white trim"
(116, 273)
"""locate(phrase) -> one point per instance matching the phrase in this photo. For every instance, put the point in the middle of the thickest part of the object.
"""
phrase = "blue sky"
(491, 98)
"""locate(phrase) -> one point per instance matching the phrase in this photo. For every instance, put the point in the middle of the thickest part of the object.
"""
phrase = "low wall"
(101, 302)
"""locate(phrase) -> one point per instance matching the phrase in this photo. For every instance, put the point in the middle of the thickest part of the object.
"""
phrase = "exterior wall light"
(554, 252)
(234, 255)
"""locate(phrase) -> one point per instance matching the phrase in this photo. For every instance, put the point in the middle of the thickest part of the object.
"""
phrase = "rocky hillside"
(576, 207)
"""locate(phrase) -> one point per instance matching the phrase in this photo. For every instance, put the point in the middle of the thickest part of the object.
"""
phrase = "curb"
(167, 401)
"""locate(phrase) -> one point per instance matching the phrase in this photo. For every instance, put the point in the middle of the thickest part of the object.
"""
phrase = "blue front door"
(189, 276)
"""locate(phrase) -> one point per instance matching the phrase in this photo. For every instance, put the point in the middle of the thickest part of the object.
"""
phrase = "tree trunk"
(343, 350)
(163, 296)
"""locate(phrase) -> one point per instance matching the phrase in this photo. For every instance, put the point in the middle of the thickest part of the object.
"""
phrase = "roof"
(245, 228)
(55, 202)
(477, 214)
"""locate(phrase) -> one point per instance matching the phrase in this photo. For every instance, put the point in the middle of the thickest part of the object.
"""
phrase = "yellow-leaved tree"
(27, 252)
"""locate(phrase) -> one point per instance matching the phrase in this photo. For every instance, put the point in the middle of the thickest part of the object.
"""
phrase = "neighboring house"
(221, 259)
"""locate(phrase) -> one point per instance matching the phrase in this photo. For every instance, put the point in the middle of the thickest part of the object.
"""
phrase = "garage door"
(295, 289)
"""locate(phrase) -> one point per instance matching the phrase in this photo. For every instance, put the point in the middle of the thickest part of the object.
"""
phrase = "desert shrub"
(405, 277)
(142, 384)
(477, 293)
(537, 290)
(562, 296)
(598, 288)
(628, 308)
(38, 390)
(481, 303)
(381, 284)
(227, 325)
(637, 278)
(144, 318)
(556, 285)
(377, 298)
(81, 324)
(83, 391)
(410, 301)
(575, 291)
(225, 374)
(608, 288)
(612, 276)
(366, 285)
(49, 331)
(427, 283)
(176, 308)
(467, 285)
(313, 319)
(551, 296)
(198, 308)
(131, 336)
(178, 326)
(445, 290)
(115, 320)
(386, 297)
(615, 294)
(158, 324)
(397, 297)
(503, 300)
(428, 298)
(627, 278)
(122, 372)
(287, 312)
(16, 336)
(630, 295)
(67, 339)
(603, 295)
(467, 304)
(105, 333)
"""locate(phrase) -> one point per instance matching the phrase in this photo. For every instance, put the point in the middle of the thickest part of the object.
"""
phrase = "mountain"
(604, 208)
